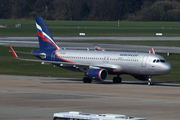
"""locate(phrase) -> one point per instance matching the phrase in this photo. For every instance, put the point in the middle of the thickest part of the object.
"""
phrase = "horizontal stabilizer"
(42, 55)
(29, 53)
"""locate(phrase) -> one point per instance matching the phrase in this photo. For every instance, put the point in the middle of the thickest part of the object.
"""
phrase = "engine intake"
(98, 74)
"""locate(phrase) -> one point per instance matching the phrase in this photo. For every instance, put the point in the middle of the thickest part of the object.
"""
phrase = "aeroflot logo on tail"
(131, 55)
(45, 37)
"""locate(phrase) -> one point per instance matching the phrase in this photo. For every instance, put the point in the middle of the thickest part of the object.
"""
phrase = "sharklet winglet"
(152, 50)
(13, 52)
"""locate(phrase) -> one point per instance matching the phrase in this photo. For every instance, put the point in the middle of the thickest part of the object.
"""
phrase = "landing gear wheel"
(150, 82)
(87, 80)
(117, 79)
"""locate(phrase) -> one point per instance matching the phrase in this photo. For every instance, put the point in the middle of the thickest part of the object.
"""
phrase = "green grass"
(92, 28)
(11, 66)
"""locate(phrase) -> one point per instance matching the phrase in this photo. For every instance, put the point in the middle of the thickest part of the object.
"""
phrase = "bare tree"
(16, 8)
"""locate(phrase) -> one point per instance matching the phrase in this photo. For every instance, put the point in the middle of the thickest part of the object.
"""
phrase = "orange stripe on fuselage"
(62, 58)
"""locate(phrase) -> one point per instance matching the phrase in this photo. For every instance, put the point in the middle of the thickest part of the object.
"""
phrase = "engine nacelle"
(98, 74)
(141, 77)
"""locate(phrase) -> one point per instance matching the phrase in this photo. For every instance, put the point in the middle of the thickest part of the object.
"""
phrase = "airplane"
(97, 64)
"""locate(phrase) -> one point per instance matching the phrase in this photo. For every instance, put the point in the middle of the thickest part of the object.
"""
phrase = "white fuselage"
(117, 62)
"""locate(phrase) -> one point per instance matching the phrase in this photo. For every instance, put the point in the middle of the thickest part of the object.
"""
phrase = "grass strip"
(92, 28)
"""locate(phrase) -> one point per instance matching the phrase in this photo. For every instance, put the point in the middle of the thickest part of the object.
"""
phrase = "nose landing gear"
(150, 82)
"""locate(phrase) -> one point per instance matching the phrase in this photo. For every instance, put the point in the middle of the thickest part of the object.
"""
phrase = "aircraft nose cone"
(167, 68)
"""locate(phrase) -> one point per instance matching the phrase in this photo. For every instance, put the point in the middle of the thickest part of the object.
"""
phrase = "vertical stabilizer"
(46, 41)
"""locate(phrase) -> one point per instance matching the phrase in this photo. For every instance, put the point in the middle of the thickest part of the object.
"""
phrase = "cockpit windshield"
(163, 61)
(158, 60)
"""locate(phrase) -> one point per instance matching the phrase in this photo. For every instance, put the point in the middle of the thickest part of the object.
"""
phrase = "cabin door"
(143, 63)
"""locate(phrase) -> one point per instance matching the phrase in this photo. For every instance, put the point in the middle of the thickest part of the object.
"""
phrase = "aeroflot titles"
(132, 55)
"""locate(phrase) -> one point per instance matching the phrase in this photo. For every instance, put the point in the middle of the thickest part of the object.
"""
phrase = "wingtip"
(13, 52)
(152, 50)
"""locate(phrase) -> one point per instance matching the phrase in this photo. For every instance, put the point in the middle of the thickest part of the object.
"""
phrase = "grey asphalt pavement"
(37, 98)
(33, 42)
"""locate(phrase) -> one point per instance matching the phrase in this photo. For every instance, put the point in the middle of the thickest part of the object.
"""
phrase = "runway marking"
(27, 79)
(18, 42)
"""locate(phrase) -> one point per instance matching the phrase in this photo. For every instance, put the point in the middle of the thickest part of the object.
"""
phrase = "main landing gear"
(117, 79)
(87, 80)
(150, 82)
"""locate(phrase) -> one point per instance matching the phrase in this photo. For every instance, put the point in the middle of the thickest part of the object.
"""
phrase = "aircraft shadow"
(124, 82)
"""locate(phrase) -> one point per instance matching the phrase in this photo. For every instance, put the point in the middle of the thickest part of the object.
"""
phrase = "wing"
(44, 61)
(80, 65)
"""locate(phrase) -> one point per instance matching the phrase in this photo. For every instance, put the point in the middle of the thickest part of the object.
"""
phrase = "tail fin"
(46, 41)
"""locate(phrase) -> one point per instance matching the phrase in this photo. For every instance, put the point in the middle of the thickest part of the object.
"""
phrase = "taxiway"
(33, 42)
(37, 98)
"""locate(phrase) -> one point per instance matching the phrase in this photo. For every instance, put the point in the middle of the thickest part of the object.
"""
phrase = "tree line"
(95, 10)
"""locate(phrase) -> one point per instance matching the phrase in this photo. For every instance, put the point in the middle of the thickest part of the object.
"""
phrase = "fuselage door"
(143, 63)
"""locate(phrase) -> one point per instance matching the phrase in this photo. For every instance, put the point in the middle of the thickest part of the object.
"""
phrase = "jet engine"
(97, 74)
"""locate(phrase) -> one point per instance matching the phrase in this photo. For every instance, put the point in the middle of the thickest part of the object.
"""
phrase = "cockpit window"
(163, 61)
(159, 60)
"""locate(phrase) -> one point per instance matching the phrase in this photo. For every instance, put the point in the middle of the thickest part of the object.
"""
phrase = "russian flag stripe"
(45, 37)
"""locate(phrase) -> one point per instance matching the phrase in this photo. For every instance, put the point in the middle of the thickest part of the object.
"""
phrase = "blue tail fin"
(46, 41)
